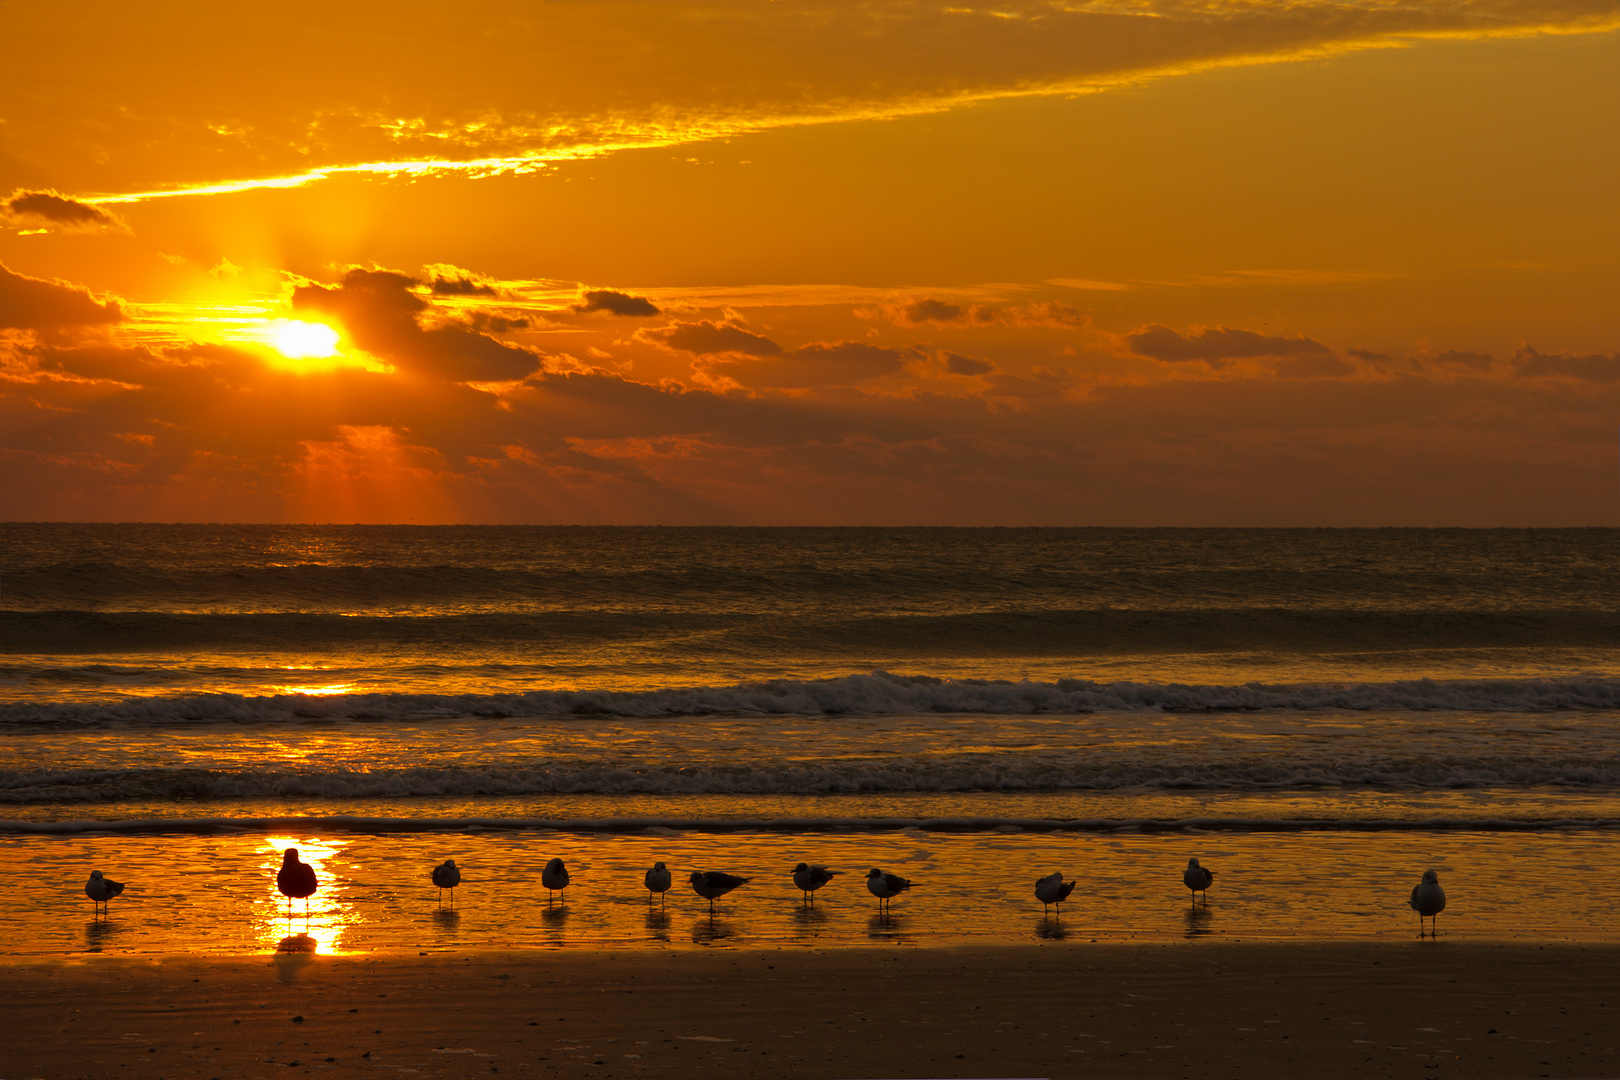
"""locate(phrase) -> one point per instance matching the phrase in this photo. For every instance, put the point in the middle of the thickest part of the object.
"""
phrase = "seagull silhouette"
(658, 880)
(1051, 890)
(554, 877)
(101, 889)
(1428, 899)
(447, 876)
(885, 886)
(810, 878)
(1198, 879)
(713, 884)
(295, 879)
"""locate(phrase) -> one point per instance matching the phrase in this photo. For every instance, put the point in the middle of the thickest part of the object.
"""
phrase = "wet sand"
(1434, 1009)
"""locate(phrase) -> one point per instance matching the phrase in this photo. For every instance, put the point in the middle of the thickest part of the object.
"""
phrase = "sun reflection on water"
(318, 926)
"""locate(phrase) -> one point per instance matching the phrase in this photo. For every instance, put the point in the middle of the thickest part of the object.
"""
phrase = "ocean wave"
(1156, 769)
(704, 629)
(876, 694)
(665, 826)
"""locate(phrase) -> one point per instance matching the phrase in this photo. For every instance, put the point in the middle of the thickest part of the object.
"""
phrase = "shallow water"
(216, 894)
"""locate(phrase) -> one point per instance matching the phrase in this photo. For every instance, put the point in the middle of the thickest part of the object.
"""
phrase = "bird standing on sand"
(554, 877)
(1198, 879)
(810, 878)
(713, 884)
(295, 879)
(101, 889)
(885, 886)
(1428, 899)
(658, 880)
(1052, 890)
(447, 876)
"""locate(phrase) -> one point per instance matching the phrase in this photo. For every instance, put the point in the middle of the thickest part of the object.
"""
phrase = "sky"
(794, 262)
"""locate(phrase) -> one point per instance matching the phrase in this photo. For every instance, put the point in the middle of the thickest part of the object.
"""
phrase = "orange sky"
(1201, 262)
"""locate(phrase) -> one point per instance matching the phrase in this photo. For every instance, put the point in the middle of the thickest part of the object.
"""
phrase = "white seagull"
(554, 877)
(658, 881)
(1428, 899)
(101, 889)
(1052, 890)
(713, 884)
(1198, 879)
(810, 878)
(885, 886)
(447, 876)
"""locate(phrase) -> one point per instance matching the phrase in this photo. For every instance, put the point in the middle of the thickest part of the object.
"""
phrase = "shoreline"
(1225, 1008)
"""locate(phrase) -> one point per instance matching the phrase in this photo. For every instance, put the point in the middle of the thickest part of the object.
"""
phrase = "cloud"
(57, 209)
(957, 364)
(616, 303)
(820, 365)
(441, 100)
(454, 281)
(949, 313)
(1216, 344)
(1592, 367)
(706, 339)
(28, 303)
(379, 310)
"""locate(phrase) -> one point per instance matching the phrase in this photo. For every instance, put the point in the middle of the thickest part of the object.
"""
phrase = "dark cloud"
(958, 364)
(461, 286)
(616, 303)
(35, 304)
(1217, 343)
(58, 210)
(938, 311)
(1592, 367)
(947, 313)
(490, 323)
(820, 365)
(379, 310)
(706, 338)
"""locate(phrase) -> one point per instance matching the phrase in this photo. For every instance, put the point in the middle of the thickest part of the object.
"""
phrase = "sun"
(297, 340)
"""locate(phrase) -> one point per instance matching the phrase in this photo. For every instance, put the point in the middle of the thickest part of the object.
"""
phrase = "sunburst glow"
(298, 340)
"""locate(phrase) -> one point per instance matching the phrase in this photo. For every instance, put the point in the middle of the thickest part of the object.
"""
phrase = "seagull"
(658, 881)
(810, 878)
(1198, 879)
(713, 884)
(885, 886)
(295, 880)
(1428, 899)
(446, 876)
(1051, 890)
(101, 889)
(554, 877)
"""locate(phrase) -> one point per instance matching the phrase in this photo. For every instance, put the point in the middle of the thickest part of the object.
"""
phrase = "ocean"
(1318, 715)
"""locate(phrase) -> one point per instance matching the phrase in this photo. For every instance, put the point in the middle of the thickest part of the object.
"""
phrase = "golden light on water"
(317, 928)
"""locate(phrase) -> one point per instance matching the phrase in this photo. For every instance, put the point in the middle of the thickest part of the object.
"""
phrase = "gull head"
(1430, 878)
(658, 866)
(1192, 864)
(95, 873)
(450, 864)
(873, 873)
(289, 856)
(801, 868)
(697, 876)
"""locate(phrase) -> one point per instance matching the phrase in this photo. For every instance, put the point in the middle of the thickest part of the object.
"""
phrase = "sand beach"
(1237, 1009)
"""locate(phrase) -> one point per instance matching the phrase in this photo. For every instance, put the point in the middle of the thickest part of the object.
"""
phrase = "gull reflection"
(97, 933)
(554, 917)
(808, 922)
(658, 924)
(1200, 921)
(298, 943)
(1051, 930)
(887, 927)
(712, 931)
(447, 920)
